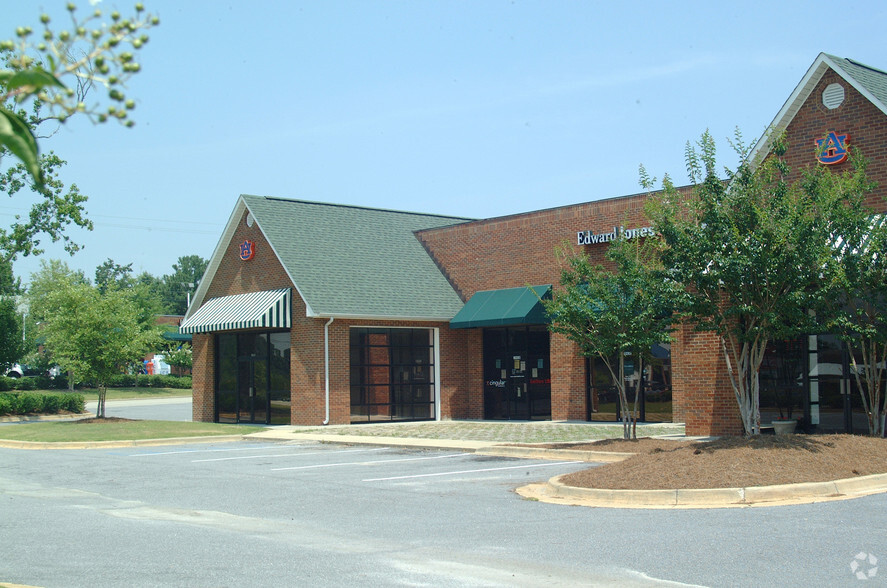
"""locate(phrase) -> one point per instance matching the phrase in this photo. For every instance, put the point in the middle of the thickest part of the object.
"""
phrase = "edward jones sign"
(589, 238)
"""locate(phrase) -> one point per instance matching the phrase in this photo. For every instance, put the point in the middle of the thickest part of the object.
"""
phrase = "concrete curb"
(807, 492)
(552, 454)
(10, 444)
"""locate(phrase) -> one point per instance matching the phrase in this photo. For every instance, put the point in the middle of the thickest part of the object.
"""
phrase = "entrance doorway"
(253, 378)
(517, 376)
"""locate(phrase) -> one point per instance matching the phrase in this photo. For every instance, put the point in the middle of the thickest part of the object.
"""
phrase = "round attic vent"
(250, 220)
(833, 96)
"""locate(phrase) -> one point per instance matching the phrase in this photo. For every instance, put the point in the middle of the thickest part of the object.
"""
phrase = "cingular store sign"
(589, 238)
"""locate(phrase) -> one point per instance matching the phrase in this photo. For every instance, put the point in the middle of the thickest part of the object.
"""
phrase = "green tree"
(618, 313)
(110, 275)
(53, 275)
(95, 336)
(12, 339)
(33, 94)
(751, 252)
(177, 286)
(856, 309)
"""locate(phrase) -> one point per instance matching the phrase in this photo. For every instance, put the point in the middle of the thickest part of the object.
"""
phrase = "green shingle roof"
(349, 261)
(873, 80)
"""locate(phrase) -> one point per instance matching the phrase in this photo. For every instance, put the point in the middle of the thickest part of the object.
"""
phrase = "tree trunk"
(100, 407)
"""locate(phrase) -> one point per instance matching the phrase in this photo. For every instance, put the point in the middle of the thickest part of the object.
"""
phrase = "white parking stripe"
(285, 455)
(252, 448)
(354, 463)
(544, 465)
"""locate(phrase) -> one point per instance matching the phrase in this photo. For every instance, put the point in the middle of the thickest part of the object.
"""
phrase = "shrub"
(72, 402)
(6, 383)
(29, 403)
(27, 383)
(7, 403)
(51, 403)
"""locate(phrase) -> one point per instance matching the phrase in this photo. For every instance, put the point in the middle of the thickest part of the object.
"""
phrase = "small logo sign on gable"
(247, 250)
(832, 148)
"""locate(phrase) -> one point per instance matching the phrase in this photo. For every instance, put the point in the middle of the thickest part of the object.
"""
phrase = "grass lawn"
(92, 394)
(117, 430)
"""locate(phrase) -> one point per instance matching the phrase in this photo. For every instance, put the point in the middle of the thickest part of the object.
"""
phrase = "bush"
(72, 402)
(29, 403)
(51, 404)
(7, 403)
(27, 383)
(6, 383)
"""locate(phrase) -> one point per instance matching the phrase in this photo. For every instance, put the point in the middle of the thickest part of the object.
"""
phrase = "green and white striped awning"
(271, 309)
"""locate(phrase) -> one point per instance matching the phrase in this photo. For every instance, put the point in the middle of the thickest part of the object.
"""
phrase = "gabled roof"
(348, 261)
(868, 81)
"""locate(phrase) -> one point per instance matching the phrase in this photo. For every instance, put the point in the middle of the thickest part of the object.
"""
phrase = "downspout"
(326, 367)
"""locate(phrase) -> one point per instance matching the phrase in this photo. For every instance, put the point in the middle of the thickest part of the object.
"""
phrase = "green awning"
(257, 310)
(510, 306)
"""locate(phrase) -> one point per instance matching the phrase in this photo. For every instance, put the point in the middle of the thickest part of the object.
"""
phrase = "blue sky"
(471, 108)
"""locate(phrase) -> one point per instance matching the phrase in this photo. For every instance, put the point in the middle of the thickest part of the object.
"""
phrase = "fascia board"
(216, 259)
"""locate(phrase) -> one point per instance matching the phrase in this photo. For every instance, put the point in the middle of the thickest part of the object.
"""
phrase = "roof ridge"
(358, 207)
(869, 67)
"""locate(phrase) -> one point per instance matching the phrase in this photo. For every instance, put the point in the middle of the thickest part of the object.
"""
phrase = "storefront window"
(655, 403)
(392, 374)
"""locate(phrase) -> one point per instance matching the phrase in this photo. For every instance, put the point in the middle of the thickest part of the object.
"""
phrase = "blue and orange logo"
(247, 250)
(832, 148)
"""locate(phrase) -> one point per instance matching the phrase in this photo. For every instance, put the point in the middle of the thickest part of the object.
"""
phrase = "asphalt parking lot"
(262, 514)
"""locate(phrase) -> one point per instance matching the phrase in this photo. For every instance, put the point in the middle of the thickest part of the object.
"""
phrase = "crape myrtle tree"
(93, 335)
(751, 251)
(857, 308)
(46, 77)
(614, 314)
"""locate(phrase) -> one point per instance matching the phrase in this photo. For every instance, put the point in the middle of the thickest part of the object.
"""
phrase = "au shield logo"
(832, 148)
(247, 250)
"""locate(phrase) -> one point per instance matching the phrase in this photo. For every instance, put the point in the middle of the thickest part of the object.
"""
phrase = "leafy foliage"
(752, 252)
(611, 314)
(856, 307)
(187, 273)
(11, 340)
(94, 336)
(33, 93)
(90, 52)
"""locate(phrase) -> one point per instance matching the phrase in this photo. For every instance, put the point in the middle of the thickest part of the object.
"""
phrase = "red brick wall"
(864, 122)
(521, 250)
(203, 360)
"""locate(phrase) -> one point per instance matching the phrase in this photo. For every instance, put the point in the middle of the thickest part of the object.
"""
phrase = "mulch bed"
(732, 462)
(102, 420)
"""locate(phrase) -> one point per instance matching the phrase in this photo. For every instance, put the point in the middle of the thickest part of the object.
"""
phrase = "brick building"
(313, 313)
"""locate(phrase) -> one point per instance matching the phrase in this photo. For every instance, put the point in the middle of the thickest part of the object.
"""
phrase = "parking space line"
(354, 463)
(285, 455)
(253, 448)
(543, 465)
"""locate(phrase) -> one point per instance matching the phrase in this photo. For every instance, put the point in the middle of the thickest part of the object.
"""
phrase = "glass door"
(252, 378)
(517, 382)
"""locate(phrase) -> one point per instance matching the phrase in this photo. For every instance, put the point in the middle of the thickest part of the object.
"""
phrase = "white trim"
(437, 385)
(799, 96)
